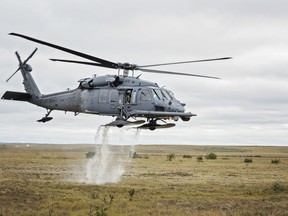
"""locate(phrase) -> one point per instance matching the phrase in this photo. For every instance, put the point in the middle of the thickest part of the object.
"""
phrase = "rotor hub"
(127, 66)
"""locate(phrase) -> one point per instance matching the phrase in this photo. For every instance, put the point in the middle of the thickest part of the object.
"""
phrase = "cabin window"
(103, 97)
(145, 95)
(114, 96)
(133, 99)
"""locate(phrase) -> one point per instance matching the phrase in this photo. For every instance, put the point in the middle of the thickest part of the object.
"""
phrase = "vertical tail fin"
(28, 81)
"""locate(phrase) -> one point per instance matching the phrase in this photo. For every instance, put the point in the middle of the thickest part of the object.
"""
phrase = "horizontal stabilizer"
(20, 96)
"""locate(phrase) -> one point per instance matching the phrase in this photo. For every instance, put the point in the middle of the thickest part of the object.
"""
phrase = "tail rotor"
(21, 64)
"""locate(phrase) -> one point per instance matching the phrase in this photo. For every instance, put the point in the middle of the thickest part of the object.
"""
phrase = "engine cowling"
(100, 81)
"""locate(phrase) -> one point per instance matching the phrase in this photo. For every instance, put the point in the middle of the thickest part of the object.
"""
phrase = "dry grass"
(37, 181)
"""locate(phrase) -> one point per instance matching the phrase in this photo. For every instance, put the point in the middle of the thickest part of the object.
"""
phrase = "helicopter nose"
(181, 108)
(176, 107)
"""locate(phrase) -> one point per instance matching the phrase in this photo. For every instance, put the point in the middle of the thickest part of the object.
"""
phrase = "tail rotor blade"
(30, 56)
(21, 63)
(13, 74)
(18, 57)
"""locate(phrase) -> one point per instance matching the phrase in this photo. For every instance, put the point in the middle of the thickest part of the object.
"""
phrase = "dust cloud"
(107, 166)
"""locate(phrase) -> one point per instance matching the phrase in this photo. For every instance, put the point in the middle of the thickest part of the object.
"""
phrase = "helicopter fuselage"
(100, 95)
(109, 95)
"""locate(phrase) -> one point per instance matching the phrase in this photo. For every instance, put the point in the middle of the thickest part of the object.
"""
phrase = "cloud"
(248, 106)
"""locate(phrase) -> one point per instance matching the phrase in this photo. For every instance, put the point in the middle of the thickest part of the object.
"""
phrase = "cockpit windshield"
(166, 94)
(156, 94)
(171, 94)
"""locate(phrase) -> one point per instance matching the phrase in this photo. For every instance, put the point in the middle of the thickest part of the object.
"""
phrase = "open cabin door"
(130, 97)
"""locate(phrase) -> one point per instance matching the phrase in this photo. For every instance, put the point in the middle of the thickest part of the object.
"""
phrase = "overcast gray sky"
(248, 106)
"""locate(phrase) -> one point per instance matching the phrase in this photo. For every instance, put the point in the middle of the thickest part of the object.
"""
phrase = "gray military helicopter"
(123, 96)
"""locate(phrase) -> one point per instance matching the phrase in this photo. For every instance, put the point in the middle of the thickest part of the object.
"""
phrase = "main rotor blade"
(185, 62)
(82, 62)
(175, 73)
(83, 55)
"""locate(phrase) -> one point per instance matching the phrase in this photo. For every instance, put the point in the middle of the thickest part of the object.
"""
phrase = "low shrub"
(90, 154)
(200, 158)
(131, 194)
(187, 156)
(101, 205)
(145, 156)
(211, 156)
(170, 157)
(135, 155)
(248, 160)
(275, 161)
(277, 187)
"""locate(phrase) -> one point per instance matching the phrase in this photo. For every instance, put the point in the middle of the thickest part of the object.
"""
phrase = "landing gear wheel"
(46, 118)
(152, 128)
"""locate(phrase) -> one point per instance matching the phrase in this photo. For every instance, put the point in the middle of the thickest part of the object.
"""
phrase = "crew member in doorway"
(128, 96)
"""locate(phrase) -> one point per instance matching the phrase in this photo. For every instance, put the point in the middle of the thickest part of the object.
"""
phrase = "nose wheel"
(152, 124)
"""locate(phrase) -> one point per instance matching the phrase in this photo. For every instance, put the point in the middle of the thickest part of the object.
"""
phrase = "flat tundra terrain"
(143, 180)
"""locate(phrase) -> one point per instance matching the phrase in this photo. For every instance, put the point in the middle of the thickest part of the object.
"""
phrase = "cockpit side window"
(145, 95)
(157, 95)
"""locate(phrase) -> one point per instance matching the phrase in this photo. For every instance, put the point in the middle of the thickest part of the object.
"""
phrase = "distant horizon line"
(143, 144)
